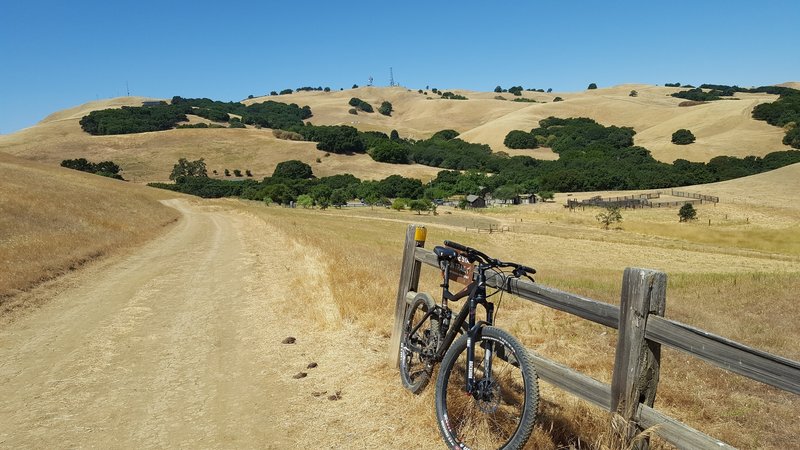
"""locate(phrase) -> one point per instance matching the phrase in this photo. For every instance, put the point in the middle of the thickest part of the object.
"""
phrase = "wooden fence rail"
(643, 329)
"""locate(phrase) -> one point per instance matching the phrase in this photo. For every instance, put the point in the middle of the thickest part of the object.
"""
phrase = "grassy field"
(733, 278)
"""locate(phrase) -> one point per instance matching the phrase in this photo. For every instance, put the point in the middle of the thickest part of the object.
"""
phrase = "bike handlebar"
(472, 253)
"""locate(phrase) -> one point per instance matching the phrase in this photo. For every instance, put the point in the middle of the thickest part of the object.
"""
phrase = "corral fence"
(491, 228)
(642, 200)
(642, 330)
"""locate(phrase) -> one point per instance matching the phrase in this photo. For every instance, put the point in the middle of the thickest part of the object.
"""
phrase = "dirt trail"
(179, 345)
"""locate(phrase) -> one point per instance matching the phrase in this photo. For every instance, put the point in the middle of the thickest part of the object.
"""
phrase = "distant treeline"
(140, 119)
(293, 179)
(103, 168)
(594, 157)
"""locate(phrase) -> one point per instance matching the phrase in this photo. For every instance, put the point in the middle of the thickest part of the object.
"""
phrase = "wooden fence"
(642, 331)
(701, 197)
(642, 200)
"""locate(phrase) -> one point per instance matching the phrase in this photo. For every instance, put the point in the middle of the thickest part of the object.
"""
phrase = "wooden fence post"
(637, 361)
(409, 281)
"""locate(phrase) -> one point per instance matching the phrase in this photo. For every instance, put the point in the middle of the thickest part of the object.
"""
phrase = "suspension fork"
(479, 297)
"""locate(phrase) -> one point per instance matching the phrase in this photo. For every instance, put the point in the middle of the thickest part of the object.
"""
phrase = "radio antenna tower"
(370, 81)
(128, 89)
(391, 78)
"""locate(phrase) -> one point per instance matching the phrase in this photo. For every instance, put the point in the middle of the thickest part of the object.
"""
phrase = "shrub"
(248, 173)
(420, 205)
(592, 86)
(227, 173)
(236, 124)
(287, 135)
(353, 111)
(286, 91)
(609, 217)
(547, 195)
(360, 105)
(519, 139)
(699, 95)
(385, 109)
(399, 204)
(237, 173)
(336, 139)
(390, 152)
(185, 168)
(558, 99)
(104, 168)
(451, 96)
(499, 97)
(445, 135)
(293, 169)
(792, 137)
(633, 94)
(687, 213)
(682, 137)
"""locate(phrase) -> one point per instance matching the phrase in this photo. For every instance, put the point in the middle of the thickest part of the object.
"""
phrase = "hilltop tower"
(391, 78)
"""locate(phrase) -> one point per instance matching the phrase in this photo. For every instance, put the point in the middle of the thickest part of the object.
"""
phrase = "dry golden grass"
(53, 220)
(738, 283)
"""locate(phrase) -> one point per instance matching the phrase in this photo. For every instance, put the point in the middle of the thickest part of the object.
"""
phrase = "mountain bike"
(487, 390)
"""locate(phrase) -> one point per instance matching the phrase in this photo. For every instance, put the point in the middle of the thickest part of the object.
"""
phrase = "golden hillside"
(149, 156)
(722, 128)
(53, 220)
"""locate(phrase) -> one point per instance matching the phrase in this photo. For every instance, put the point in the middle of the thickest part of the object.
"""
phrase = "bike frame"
(476, 295)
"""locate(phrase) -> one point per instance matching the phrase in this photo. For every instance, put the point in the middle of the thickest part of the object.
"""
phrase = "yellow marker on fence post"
(419, 236)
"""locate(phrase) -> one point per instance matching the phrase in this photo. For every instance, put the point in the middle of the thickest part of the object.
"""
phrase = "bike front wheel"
(501, 409)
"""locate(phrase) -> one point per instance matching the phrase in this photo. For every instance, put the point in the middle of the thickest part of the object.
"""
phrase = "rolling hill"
(722, 128)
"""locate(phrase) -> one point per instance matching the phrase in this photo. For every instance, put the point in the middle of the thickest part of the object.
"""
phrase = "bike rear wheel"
(501, 410)
(417, 347)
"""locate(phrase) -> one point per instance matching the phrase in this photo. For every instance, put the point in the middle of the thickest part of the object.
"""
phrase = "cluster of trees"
(594, 157)
(451, 96)
(683, 137)
(520, 139)
(699, 95)
(784, 112)
(318, 88)
(360, 105)
(133, 119)
(517, 90)
(103, 168)
(140, 119)
(185, 168)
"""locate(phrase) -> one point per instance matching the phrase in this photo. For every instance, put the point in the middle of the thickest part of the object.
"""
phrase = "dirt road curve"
(179, 345)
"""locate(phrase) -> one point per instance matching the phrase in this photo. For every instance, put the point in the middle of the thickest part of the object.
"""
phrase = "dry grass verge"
(744, 292)
(54, 220)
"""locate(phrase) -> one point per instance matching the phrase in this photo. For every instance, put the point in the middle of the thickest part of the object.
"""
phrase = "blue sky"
(56, 54)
